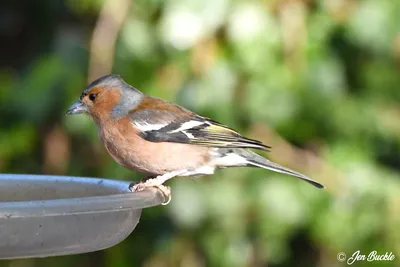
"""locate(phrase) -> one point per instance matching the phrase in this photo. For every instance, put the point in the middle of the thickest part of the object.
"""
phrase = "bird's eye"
(92, 97)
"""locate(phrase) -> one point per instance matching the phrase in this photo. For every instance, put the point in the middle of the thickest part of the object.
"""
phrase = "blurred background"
(318, 80)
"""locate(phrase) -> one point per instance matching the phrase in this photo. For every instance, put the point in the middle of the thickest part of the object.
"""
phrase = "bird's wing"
(177, 125)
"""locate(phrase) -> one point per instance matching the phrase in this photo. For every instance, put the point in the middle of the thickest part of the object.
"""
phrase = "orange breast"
(131, 151)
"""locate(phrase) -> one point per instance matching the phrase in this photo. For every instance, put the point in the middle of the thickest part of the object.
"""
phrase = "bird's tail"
(255, 160)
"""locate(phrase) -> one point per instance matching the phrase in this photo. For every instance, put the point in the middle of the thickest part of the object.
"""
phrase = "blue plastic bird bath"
(44, 216)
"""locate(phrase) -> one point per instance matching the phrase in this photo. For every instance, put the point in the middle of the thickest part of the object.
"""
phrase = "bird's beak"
(77, 108)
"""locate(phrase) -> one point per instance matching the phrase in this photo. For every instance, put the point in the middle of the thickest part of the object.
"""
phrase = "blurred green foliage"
(324, 74)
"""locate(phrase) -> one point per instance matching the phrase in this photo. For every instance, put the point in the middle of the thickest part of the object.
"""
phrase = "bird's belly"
(156, 158)
(126, 157)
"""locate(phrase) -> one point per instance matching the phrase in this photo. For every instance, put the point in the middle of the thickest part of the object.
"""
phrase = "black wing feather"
(206, 132)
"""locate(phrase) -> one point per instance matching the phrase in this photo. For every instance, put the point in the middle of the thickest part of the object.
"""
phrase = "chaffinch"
(164, 140)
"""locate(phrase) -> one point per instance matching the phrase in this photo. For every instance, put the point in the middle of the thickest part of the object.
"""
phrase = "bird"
(164, 140)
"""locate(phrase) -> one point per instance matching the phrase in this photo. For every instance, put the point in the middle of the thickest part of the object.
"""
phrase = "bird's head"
(107, 97)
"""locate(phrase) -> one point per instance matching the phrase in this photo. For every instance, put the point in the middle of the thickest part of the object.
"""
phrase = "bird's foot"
(153, 182)
(157, 182)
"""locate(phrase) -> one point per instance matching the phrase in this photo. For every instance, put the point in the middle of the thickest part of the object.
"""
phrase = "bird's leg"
(156, 182)
(144, 179)
(141, 185)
